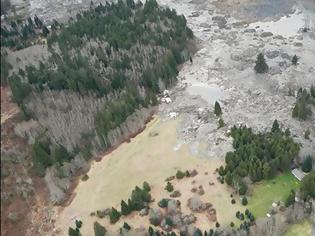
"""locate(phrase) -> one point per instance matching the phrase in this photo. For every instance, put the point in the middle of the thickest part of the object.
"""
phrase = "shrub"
(217, 224)
(232, 224)
(222, 171)
(247, 212)
(169, 187)
(180, 174)
(290, 199)
(244, 201)
(251, 218)
(233, 201)
(163, 203)
(126, 226)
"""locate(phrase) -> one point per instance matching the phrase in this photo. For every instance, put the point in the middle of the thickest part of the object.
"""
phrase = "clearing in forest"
(268, 191)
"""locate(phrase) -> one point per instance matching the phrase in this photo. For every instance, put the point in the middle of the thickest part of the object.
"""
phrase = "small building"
(298, 174)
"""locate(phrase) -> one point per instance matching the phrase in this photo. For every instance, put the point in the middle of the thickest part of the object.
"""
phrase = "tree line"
(122, 50)
(258, 156)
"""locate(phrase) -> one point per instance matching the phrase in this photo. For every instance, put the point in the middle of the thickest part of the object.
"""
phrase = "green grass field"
(269, 191)
(303, 228)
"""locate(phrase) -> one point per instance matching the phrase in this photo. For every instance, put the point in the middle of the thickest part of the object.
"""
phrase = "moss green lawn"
(268, 191)
(303, 228)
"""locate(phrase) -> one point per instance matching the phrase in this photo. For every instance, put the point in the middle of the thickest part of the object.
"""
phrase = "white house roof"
(298, 174)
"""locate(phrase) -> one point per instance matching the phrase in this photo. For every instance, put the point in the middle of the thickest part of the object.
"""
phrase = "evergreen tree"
(275, 126)
(146, 186)
(217, 109)
(19, 90)
(308, 185)
(114, 216)
(229, 178)
(99, 230)
(124, 208)
(78, 224)
(312, 91)
(221, 123)
(45, 31)
(261, 65)
(73, 232)
(295, 60)
(307, 164)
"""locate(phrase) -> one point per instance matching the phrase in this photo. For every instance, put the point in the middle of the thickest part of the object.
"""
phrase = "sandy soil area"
(152, 159)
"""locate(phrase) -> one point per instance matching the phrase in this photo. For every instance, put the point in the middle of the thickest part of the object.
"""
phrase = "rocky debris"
(285, 56)
(299, 37)
(272, 54)
(249, 31)
(245, 55)
(205, 25)
(278, 37)
(196, 205)
(173, 114)
(144, 212)
(298, 44)
(220, 20)
(283, 64)
(266, 34)
(175, 194)
(274, 70)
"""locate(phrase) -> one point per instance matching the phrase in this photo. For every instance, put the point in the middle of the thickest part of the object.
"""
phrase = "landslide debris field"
(184, 133)
(221, 70)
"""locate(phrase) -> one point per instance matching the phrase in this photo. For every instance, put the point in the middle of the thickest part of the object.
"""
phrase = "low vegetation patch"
(267, 192)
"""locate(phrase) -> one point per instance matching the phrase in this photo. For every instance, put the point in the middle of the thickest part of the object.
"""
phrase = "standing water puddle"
(210, 93)
(287, 26)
